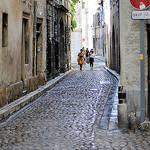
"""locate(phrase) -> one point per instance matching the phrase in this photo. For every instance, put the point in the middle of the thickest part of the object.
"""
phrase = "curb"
(113, 122)
(112, 72)
(8, 110)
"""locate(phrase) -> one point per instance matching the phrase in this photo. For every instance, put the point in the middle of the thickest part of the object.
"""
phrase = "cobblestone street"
(68, 117)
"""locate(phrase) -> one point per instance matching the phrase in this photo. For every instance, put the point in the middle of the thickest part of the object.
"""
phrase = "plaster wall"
(10, 56)
(76, 44)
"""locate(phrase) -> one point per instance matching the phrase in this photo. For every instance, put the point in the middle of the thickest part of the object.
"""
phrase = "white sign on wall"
(138, 15)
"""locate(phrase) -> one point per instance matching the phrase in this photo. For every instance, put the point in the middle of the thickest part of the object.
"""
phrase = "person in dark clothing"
(87, 53)
(92, 56)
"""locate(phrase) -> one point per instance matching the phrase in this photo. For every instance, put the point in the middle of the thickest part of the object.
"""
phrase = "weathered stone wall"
(41, 13)
(124, 35)
(69, 36)
(16, 78)
(58, 43)
(114, 38)
(130, 57)
(10, 56)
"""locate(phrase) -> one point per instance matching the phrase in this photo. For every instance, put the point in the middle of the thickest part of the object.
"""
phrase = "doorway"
(25, 47)
(39, 47)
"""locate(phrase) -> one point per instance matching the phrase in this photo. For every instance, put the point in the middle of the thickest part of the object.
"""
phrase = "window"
(26, 40)
(4, 30)
(39, 46)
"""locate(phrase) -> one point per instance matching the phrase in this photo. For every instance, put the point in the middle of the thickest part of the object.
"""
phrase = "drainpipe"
(68, 40)
(67, 4)
(53, 38)
(34, 37)
(95, 33)
(103, 27)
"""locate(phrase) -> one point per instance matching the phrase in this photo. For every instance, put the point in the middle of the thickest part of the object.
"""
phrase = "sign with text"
(140, 4)
(138, 15)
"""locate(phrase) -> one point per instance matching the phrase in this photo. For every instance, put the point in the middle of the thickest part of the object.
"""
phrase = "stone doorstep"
(9, 109)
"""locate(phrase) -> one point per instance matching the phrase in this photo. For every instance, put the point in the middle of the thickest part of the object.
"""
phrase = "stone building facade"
(24, 60)
(99, 38)
(82, 35)
(76, 35)
(124, 57)
(58, 37)
(114, 35)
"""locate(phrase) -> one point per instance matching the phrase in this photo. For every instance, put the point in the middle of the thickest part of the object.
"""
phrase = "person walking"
(87, 53)
(83, 50)
(81, 59)
(92, 56)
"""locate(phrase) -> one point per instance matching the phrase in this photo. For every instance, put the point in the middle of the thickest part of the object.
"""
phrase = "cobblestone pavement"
(68, 118)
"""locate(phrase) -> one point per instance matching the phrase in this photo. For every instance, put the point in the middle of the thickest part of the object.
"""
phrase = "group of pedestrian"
(85, 56)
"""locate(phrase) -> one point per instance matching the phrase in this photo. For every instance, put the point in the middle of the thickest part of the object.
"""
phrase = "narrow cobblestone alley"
(68, 117)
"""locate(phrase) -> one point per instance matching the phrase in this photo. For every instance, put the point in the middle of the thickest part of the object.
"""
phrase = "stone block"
(9, 94)
(122, 116)
(18, 88)
(6, 114)
(3, 100)
(35, 83)
(134, 120)
(23, 103)
(133, 99)
(12, 110)
(26, 86)
(17, 107)
(31, 84)
(41, 79)
(14, 91)
(1, 116)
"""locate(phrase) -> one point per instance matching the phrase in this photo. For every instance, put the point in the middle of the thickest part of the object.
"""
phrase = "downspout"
(53, 38)
(103, 27)
(99, 48)
(95, 33)
(34, 38)
(68, 34)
